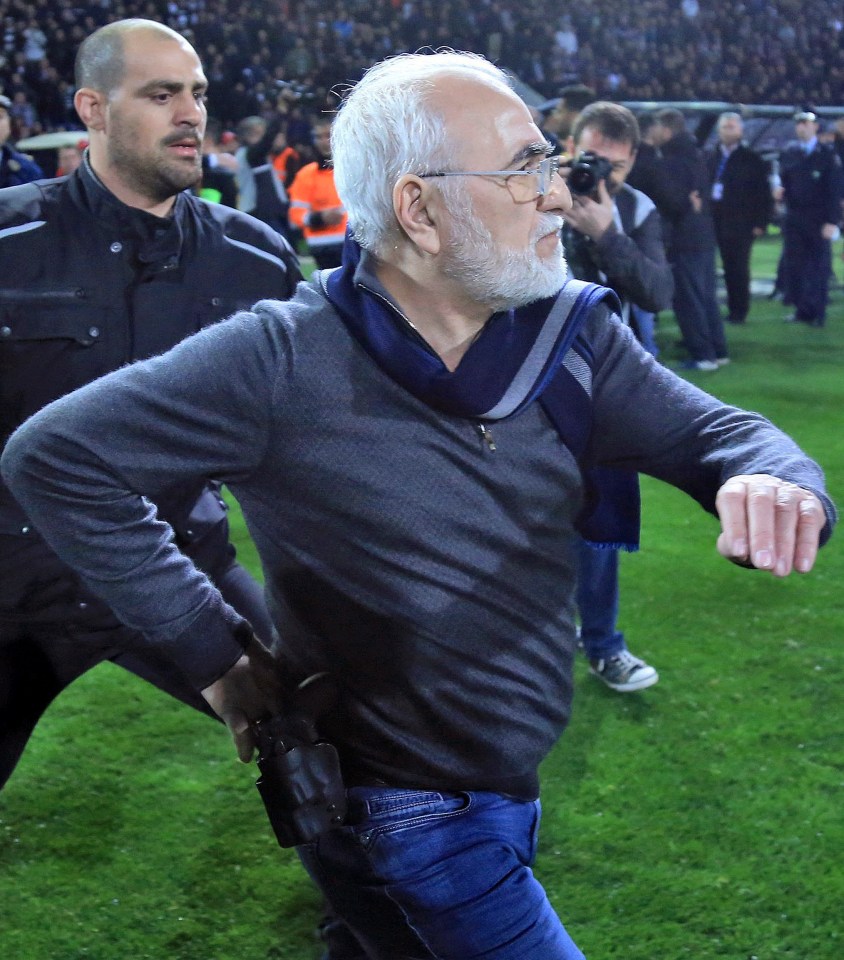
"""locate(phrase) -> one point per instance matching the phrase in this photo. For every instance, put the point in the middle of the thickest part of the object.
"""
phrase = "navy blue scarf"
(518, 358)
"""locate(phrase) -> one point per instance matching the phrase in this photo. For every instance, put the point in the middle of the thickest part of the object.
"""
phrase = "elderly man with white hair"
(411, 439)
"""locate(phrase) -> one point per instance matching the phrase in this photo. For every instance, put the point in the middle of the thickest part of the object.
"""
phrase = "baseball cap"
(803, 115)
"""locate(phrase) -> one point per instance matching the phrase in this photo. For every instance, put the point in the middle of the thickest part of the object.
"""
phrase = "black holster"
(300, 783)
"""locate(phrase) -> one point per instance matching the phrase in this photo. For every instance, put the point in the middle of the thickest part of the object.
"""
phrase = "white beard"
(501, 278)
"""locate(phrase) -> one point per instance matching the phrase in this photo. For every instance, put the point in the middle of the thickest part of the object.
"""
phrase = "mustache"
(182, 138)
(548, 223)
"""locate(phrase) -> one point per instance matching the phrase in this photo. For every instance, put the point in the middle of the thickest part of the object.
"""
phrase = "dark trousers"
(38, 660)
(331, 255)
(735, 243)
(695, 305)
(807, 263)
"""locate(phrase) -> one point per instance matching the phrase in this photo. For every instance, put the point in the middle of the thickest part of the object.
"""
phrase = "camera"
(586, 171)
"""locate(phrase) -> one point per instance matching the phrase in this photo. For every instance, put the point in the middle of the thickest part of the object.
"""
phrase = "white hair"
(387, 127)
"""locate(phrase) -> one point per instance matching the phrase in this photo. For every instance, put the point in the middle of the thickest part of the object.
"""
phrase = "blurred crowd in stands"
(290, 54)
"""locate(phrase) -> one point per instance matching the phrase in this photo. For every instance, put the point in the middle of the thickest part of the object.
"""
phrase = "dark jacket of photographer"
(88, 285)
(629, 257)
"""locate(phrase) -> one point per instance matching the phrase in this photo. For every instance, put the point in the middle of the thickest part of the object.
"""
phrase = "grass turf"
(697, 819)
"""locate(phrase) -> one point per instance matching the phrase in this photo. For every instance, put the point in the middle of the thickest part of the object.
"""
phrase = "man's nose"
(191, 111)
(557, 197)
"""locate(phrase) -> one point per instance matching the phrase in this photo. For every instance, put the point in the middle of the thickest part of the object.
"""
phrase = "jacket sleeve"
(763, 201)
(648, 419)
(636, 264)
(180, 417)
(300, 199)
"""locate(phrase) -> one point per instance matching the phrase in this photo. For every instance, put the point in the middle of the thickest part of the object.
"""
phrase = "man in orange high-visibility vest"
(315, 207)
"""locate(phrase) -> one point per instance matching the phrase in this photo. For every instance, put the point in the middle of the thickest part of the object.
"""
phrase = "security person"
(811, 186)
(114, 263)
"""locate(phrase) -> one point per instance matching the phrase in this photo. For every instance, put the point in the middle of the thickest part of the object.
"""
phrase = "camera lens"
(582, 179)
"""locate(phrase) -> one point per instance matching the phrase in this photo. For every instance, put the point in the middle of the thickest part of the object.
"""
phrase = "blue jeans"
(644, 327)
(597, 601)
(421, 875)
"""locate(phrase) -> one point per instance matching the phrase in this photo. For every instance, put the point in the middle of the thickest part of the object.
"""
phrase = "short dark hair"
(100, 62)
(671, 119)
(611, 120)
(577, 96)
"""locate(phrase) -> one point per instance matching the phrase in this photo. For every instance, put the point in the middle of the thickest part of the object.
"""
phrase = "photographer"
(612, 236)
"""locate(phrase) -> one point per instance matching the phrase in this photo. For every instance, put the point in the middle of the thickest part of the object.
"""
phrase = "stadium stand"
(292, 53)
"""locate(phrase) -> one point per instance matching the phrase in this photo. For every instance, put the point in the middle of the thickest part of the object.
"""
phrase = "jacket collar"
(158, 239)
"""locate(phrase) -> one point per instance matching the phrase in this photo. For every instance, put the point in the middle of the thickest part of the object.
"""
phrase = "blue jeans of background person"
(643, 327)
(422, 875)
(597, 601)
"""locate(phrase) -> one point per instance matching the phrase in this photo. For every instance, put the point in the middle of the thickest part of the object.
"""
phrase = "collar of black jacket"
(157, 240)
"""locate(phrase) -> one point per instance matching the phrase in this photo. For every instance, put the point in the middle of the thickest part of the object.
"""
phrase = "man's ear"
(91, 106)
(415, 208)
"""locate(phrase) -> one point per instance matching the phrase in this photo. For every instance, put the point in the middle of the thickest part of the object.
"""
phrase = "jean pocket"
(379, 812)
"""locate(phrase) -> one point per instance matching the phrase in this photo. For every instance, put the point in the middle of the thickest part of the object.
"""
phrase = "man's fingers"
(811, 520)
(785, 526)
(761, 522)
(731, 504)
(244, 741)
(769, 524)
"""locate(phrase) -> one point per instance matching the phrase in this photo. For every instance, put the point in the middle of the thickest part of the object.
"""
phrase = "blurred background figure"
(691, 243)
(315, 207)
(15, 167)
(811, 188)
(70, 158)
(219, 167)
(260, 192)
(741, 209)
(560, 114)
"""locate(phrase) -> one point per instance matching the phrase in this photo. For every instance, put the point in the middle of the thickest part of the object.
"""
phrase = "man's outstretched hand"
(249, 691)
(769, 523)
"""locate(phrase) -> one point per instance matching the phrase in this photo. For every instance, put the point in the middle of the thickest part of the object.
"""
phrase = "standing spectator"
(15, 167)
(70, 158)
(315, 207)
(260, 192)
(219, 169)
(648, 175)
(741, 209)
(613, 237)
(571, 101)
(811, 188)
(691, 243)
(115, 263)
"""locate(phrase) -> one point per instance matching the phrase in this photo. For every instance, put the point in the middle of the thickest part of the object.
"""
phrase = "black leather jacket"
(88, 284)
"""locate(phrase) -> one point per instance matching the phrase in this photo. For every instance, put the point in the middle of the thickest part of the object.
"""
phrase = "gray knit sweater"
(430, 574)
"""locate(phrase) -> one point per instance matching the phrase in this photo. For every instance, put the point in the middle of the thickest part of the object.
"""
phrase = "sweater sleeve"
(648, 419)
(89, 467)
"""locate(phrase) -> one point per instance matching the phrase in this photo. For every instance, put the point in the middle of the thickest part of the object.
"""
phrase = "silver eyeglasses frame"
(544, 172)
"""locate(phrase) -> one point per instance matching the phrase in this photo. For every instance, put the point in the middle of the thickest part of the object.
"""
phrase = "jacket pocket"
(50, 344)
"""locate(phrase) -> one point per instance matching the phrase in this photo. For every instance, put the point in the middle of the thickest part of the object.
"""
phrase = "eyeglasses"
(543, 172)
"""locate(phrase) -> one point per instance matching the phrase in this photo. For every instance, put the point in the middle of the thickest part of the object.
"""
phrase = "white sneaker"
(624, 672)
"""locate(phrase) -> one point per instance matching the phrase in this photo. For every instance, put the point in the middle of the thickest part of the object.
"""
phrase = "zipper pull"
(486, 436)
